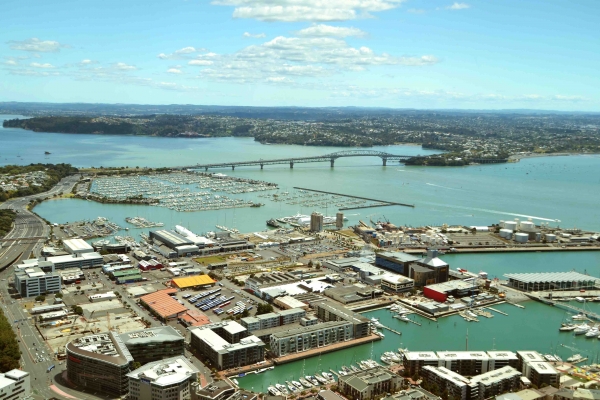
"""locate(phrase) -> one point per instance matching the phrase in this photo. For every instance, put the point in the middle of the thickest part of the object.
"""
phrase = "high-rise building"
(316, 222)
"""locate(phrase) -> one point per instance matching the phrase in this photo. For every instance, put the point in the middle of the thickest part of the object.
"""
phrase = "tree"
(263, 309)
(40, 298)
(245, 313)
(135, 365)
(78, 287)
(77, 310)
(58, 295)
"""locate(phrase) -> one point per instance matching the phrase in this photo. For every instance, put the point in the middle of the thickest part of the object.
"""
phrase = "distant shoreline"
(517, 157)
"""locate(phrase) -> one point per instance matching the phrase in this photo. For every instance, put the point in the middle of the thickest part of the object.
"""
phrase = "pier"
(300, 160)
(498, 311)
(407, 320)
(565, 306)
(392, 330)
(384, 202)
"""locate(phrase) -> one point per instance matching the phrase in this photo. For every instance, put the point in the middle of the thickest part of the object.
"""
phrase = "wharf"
(508, 249)
(568, 307)
(247, 369)
(324, 350)
(498, 311)
(389, 203)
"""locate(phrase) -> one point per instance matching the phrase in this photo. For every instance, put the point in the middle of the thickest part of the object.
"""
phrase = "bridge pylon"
(384, 161)
(332, 162)
(292, 164)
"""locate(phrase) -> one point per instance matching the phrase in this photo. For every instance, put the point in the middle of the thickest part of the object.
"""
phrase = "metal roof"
(571, 276)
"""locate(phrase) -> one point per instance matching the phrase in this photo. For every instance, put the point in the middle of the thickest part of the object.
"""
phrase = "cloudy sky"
(484, 54)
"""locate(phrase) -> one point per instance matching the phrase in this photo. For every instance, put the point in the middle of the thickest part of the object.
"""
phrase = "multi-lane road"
(27, 237)
(30, 231)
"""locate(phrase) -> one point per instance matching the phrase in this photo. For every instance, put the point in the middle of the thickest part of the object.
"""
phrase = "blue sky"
(473, 54)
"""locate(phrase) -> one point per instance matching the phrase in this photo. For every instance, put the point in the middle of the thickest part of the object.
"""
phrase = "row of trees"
(7, 217)
(9, 348)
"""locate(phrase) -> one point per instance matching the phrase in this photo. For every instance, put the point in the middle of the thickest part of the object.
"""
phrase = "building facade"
(15, 385)
(99, 363)
(327, 311)
(168, 379)
(369, 384)
(31, 282)
(209, 340)
(310, 337)
(154, 344)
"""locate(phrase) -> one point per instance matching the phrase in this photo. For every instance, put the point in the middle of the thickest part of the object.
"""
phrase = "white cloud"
(307, 10)
(86, 62)
(303, 57)
(181, 53)
(38, 65)
(125, 67)
(36, 45)
(322, 30)
(11, 62)
(174, 71)
(254, 36)
(200, 62)
(458, 6)
(416, 11)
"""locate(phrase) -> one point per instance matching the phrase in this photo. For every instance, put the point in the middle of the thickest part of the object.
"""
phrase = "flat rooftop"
(152, 335)
(169, 371)
(543, 277)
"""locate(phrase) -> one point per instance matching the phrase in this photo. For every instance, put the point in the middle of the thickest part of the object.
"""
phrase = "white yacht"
(593, 332)
(581, 329)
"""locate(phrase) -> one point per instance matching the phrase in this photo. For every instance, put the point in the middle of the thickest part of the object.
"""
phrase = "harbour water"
(548, 189)
(532, 328)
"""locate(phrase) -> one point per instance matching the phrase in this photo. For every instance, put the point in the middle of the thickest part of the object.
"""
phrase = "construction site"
(97, 317)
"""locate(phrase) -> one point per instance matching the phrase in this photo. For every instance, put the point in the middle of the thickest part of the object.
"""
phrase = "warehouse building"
(71, 275)
(196, 281)
(353, 293)
(533, 282)
(161, 304)
(440, 291)
(127, 276)
(83, 261)
(162, 380)
(154, 344)
(396, 261)
(170, 239)
(396, 283)
(102, 297)
(99, 363)
(77, 246)
(31, 282)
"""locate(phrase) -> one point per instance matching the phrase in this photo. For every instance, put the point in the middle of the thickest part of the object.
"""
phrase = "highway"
(30, 231)
(27, 237)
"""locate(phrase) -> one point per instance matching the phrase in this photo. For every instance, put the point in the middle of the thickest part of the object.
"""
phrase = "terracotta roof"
(195, 318)
(163, 304)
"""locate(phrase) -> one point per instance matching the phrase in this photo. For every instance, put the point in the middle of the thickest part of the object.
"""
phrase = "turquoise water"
(534, 328)
(550, 188)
